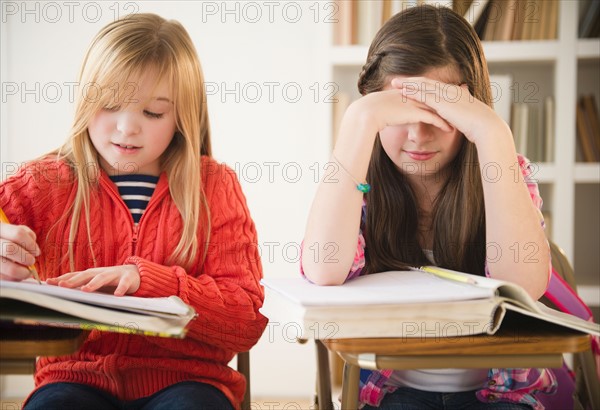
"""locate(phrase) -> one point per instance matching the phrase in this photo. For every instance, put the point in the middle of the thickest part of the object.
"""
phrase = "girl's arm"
(334, 218)
(513, 223)
(30, 198)
(333, 222)
(517, 249)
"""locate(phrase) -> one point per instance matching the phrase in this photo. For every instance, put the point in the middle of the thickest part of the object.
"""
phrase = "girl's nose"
(420, 132)
(127, 123)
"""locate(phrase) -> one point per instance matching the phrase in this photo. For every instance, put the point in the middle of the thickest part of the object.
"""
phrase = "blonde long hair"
(122, 50)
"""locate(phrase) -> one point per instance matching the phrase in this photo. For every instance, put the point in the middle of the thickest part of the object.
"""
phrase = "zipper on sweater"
(134, 238)
(135, 228)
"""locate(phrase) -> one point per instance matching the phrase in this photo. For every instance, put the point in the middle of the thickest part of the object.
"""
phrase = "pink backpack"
(570, 393)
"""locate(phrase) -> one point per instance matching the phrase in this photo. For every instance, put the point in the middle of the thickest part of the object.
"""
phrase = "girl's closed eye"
(153, 114)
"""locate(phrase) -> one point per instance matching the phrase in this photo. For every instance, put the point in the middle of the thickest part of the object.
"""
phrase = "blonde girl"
(134, 204)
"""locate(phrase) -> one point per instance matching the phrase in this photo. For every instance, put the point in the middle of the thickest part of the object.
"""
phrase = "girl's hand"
(455, 104)
(124, 279)
(18, 249)
(391, 108)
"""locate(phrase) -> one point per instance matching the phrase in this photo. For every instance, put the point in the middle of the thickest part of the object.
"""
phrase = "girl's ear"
(397, 83)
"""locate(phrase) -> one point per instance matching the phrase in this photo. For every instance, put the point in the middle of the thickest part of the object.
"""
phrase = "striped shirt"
(136, 191)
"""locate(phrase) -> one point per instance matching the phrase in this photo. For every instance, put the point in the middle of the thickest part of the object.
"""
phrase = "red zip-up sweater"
(224, 290)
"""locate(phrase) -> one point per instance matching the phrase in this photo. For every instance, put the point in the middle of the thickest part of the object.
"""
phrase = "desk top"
(28, 342)
(522, 336)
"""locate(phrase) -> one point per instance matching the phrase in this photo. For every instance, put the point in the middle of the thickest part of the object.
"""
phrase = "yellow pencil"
(4, 219)
(448, 274)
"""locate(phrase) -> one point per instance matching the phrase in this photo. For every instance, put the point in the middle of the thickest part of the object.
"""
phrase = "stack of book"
(507, 20)
(359, 20)
(494, 20)
(426, 302)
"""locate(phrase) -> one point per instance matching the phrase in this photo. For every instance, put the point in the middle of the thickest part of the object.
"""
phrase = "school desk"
(521, 343)
(20, 345)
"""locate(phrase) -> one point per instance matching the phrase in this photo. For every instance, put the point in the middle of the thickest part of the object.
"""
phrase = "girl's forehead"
(148, 85)
(448, 74)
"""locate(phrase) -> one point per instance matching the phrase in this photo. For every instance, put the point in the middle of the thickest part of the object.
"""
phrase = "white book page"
(396, 287)
(170, 305)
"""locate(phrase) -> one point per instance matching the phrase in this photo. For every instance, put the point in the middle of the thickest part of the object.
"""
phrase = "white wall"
(277, 144)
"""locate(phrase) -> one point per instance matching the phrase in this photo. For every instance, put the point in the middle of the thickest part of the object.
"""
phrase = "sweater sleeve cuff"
(155, 280)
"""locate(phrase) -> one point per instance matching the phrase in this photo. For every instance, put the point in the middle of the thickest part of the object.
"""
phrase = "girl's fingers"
(12, 271)
(419, 112)
(65, 278)
(22, 235)
(123, 279)
(98, 281)
(18, 243)
(430, 92)
(123, 287)
(16, 253)
(72, 279)
(432, 118)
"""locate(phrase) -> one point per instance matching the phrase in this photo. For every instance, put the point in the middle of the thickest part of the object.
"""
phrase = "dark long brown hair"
(411, 43)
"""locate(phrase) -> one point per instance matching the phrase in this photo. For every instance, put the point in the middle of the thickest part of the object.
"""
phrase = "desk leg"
(350, 387)
(323, 378)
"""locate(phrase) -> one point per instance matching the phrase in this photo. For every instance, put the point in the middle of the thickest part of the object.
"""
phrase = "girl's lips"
(126, 149)
(420, 155)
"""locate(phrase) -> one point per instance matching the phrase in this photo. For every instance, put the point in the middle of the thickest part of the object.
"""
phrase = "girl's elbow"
(540, 286)
(536, 292)
(324, 275)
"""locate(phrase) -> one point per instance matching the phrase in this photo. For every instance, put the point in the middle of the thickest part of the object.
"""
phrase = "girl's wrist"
(500, 137)
(358, 121)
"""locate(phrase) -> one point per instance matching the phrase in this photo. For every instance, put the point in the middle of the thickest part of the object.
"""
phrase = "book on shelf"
(501, 85)
(588, 128)
(470, 9)
(549, 128)
(505, 20)
(593, 119)
(29, 303)
(413, 303)
(536, 149)
(342, 34)
(504, 27)
(494, 20)
(589, 19)
(520, 126)
(532, 126)
(369, 20)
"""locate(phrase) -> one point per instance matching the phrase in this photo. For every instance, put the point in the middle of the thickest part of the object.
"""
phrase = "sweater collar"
(162, 185)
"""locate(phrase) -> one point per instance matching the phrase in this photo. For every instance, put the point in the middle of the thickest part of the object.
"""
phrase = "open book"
(29, 303)
(403, 304)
